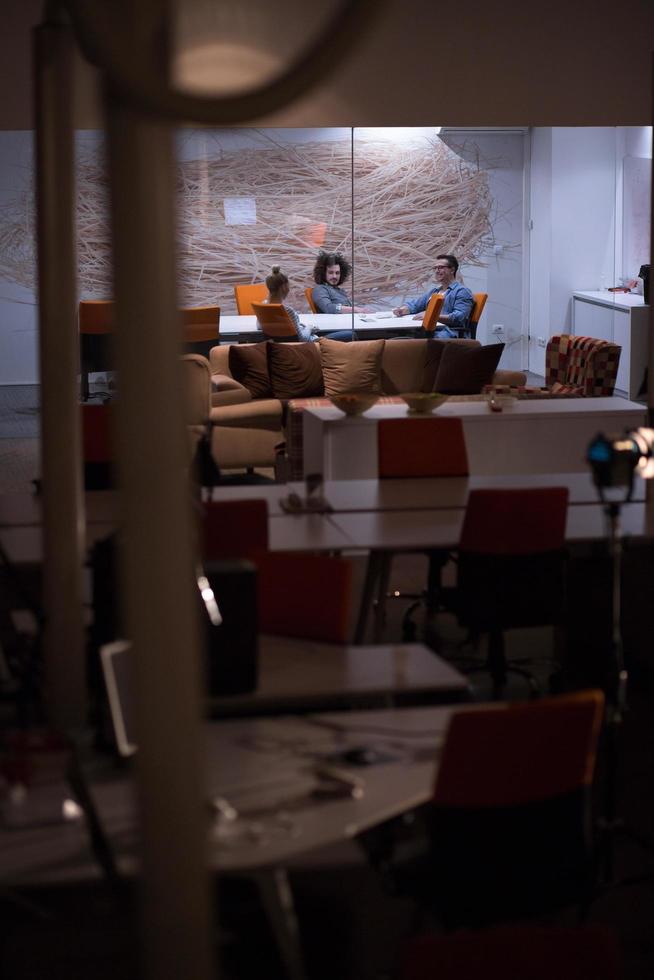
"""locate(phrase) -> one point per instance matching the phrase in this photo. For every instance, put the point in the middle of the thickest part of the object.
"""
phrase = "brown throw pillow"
(465, 370)
(349, 367)
(433, 354)
(295, 370)
(248, 364)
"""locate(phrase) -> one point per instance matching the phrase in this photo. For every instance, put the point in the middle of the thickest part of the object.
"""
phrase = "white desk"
(545, 436)
(26, 509)
(304, 532)
(298, 675)
(101, 506)
(266, 768)
(442, 492)
(382, 533)
(425, 529)
(622, 318)
(246, 328)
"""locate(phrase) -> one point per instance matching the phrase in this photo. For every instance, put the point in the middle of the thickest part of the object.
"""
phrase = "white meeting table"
(247, 329)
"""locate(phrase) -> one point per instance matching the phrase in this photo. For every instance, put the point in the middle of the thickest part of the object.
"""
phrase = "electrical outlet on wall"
(541, 341)
(497, 328)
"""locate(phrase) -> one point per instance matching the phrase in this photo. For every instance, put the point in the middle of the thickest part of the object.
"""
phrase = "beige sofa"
(248, 432)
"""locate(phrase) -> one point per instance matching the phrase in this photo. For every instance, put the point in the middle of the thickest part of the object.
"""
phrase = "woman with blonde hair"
(278, 290)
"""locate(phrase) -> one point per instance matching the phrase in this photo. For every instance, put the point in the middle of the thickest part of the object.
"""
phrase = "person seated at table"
(330, 272)
(278, 289)
(457, 304)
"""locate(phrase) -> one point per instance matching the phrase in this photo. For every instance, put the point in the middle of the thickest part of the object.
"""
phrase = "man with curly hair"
(330, 272)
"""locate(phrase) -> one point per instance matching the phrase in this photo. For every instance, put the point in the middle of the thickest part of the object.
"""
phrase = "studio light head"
(615, 459)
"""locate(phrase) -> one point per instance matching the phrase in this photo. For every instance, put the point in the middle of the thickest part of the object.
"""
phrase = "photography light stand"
(613, 462)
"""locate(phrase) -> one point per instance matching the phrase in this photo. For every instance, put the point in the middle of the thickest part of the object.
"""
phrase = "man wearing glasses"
(457, 305)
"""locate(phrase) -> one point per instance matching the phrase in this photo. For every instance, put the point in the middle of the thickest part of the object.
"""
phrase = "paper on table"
(384, 315)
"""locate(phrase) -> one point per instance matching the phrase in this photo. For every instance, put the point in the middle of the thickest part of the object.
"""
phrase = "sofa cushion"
(224, 382)
(248, 364)
(351, 366)
(295, 370)
(465, 370)
(433, 355)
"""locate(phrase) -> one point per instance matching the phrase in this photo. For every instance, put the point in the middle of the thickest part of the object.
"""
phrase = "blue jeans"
(343, 335)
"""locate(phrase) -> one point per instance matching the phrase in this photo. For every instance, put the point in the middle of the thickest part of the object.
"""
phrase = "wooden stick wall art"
(243, 210)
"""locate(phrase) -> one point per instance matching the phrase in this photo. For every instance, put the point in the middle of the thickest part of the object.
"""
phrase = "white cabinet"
(622, 318)
(545, 436)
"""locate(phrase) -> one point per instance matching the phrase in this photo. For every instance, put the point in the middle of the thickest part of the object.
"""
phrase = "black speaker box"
(232, 647)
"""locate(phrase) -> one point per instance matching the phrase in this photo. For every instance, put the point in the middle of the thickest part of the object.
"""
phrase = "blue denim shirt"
(458, 304)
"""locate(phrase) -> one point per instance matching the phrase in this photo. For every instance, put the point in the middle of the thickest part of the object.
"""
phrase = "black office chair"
(511, 570)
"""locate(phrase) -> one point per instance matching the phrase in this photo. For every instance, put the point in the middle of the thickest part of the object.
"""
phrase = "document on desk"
(371, 317)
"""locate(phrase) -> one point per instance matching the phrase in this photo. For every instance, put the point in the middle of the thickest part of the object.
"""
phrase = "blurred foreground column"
(159, 592)
(63, 515)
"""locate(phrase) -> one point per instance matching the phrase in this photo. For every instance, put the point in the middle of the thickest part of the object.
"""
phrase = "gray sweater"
(330, 299)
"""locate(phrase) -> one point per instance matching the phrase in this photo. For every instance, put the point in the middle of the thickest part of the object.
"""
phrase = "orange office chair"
(508, 834)
(511, 568)
(430, 319)
(234, 529)
(275, 322)
(247, 295)
(415, 447)
(531, 952)
(96, 322)
(510, 821)
(97, 445)
(299, 595)
(475, 316)
(308, 292)
(306, 596)
(200, 323)
(200, 328)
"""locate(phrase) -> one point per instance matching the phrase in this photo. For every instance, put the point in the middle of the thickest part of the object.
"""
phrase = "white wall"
(540, 246)
(574, 246)
(576, 210)
(502, 157)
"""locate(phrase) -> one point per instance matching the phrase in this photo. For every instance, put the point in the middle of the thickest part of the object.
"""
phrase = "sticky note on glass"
(240, 210)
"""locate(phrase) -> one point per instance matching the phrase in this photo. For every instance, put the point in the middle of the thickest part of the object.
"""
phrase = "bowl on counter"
(423, 402)
(355, 403)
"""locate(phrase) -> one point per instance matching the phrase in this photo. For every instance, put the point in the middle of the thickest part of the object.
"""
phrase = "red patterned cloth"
(581, 365)
(533, 392)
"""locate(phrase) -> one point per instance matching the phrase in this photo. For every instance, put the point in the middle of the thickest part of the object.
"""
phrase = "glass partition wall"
(535, 216)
